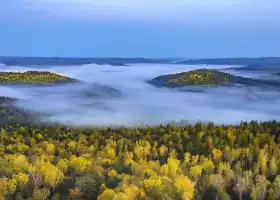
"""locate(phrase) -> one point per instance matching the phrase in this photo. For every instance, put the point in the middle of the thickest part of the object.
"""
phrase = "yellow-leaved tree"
(80, 164)
(107, 194)
(184, 184)
(173, 166)
(263, 161)
(217, 155)
(7, 187)
(19, 162)
(132, 192)
(52, 175)
(21, 180)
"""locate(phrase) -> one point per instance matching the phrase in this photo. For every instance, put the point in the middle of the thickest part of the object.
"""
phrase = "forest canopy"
(200, 161)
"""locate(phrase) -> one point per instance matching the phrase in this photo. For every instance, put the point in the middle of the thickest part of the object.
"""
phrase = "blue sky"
(140, 28)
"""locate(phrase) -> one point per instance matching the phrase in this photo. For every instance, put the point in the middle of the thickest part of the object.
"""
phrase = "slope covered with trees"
(33, 77)
(160, 162)
(10, 114)
(207, 77)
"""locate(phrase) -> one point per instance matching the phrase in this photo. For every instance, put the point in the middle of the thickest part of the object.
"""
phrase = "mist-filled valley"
(139, 100)
(119, 95)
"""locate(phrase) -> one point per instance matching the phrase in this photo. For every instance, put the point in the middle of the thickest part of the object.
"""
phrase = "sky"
(140, 28)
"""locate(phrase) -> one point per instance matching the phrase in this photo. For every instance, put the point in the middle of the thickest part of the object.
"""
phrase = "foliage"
(41, 194)
(151, 162)
(88, 186)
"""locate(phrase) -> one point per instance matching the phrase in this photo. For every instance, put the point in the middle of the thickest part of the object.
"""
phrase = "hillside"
(207, 77)
(33, 77)
(10, 114)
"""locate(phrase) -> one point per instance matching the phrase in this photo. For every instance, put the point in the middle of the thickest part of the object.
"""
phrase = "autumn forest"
(198, 161)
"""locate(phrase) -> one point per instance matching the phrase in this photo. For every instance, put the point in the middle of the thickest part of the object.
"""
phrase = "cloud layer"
(183, 10)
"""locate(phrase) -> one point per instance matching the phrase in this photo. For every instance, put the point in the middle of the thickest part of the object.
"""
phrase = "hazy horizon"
(135, 57)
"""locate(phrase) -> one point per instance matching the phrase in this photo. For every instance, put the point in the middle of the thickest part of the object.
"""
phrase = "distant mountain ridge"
(259, 67)
(32, 61)
(233, 61)
(248, 63)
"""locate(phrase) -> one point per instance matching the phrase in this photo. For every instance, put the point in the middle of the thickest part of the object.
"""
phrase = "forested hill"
(33, 77)
(207, 77)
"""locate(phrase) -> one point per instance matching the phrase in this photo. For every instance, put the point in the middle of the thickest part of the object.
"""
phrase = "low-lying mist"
(119, 95)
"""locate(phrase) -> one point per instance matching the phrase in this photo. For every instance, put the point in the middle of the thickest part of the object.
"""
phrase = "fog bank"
(119, 95)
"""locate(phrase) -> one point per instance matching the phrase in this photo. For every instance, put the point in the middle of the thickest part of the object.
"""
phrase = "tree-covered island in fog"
(34, 77)
(206, 77)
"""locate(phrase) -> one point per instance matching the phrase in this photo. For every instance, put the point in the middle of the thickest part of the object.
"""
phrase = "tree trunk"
(240, 195)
